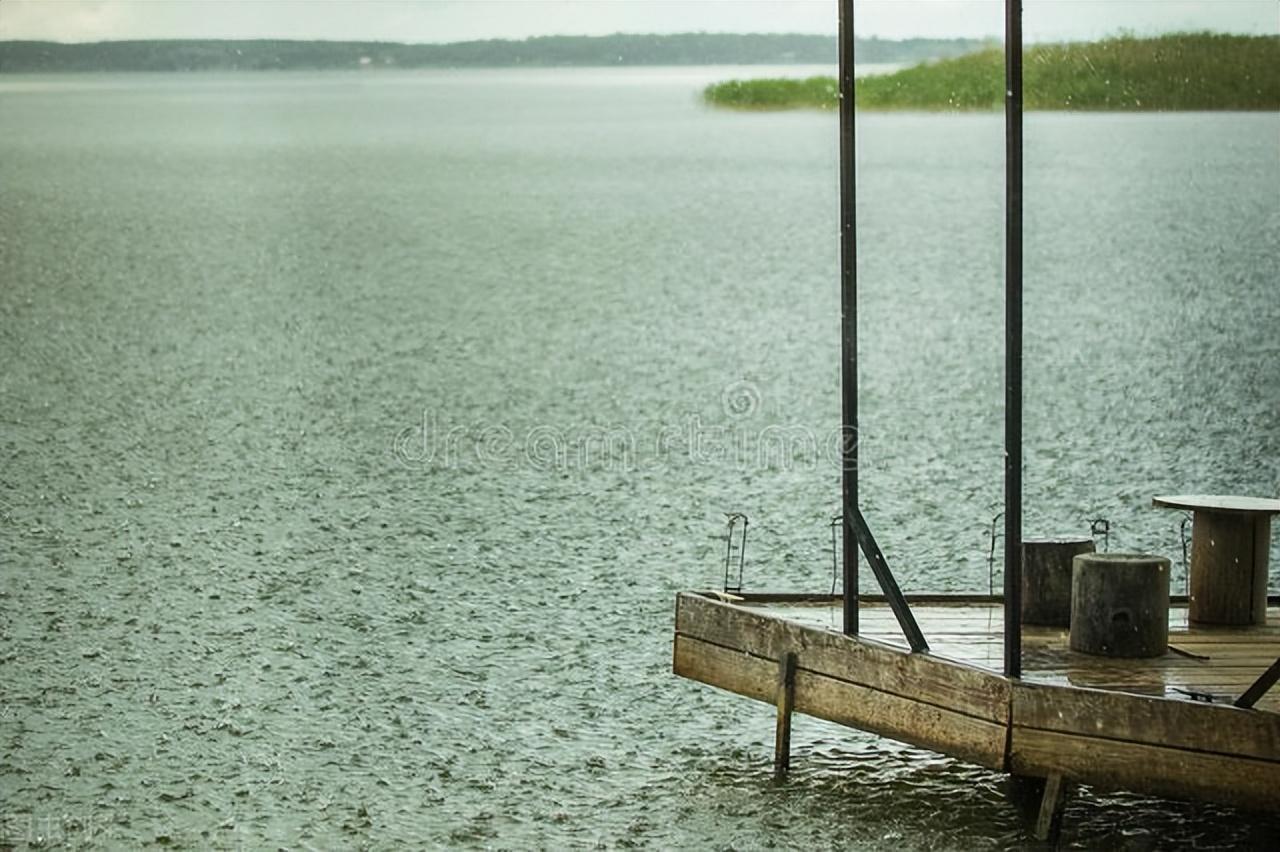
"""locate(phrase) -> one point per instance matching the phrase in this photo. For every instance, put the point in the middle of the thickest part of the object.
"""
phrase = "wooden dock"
(1140, 725)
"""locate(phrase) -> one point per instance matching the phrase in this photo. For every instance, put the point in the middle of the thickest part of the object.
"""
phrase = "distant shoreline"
(681, 49)
(1190, 71)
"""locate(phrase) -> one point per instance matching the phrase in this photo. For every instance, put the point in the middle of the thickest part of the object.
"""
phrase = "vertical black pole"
(848, 322)
(1013, 341)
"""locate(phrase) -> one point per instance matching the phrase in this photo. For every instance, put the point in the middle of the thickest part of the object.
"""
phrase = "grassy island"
(1195, 71)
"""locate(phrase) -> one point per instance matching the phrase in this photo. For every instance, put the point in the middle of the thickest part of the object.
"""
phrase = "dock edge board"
(1112, 740)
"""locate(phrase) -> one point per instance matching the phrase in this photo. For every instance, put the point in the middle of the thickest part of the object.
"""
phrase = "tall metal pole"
(1013, 341)
(848, 322)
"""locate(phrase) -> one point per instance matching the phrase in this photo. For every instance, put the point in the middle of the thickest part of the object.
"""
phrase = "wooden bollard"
(1120, 605)
(786, 700)
(1046, 579)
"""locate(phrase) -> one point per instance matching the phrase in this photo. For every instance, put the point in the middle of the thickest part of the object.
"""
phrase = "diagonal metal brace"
(901, 609)
(1260, 686)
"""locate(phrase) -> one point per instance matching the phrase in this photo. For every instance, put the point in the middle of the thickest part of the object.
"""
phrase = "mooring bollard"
(1120, 604)
(1046, 579)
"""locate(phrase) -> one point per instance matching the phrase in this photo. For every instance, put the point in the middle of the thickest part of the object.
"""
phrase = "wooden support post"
(1050, 806)
(786, 701)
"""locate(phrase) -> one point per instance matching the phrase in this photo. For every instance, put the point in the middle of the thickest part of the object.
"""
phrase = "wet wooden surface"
(1221, 662)
(914, 698)
(1112, 723)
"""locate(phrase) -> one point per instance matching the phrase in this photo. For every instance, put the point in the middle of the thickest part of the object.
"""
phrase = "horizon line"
(990, 38)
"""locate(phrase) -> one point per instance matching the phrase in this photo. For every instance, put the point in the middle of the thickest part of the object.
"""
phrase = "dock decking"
(1123, 724)
(1220, 662)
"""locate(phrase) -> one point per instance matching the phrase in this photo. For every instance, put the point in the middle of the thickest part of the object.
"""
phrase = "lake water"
(358, 430)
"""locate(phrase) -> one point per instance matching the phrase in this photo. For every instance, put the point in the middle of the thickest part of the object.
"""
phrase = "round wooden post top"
(1218, 503)
(1113, 557)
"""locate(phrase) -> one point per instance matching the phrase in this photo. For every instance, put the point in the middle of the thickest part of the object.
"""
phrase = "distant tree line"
(1180, 71)
(543, 51)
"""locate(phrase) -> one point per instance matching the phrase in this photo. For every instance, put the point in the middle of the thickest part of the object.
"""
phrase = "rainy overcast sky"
(460, 20)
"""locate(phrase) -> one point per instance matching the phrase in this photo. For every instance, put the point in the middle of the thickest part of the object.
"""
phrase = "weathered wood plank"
(924, 678)
(1111, 764)
(1052, 658)
(734, 671)
(1163, 746)
(1173, 673)
(1265, 635)
(980, 616)
(1167, 723)
(939, 599)
(845, 703)
(1230, 645)
(1175, 662)
(1222, 693)
(1207, 658)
